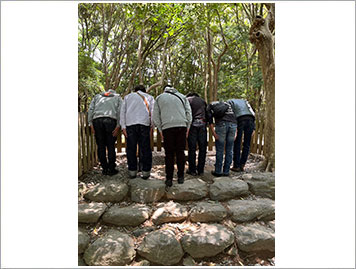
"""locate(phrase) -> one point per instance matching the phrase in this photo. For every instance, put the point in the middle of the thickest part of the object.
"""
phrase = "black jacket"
(198, 106)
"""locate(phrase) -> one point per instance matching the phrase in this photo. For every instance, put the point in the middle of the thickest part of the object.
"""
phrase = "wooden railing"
(87, 149)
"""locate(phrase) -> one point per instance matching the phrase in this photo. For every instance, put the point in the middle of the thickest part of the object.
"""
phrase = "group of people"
(178, 118)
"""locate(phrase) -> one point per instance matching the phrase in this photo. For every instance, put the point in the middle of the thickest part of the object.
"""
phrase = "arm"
(151, 107)
(157, 117)
(211, 126)
(123, 117)
(91, 114)
(188, 113)
(117, 129)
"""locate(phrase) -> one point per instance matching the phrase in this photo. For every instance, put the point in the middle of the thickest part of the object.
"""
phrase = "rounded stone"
(161, 247)
(254, 237)
(132, 215)
(146, 191)
(169, 212)
(83, 240)
(90, 212)
(194, 189)
(227, 188)
(108, 191)
(249, 210)
(113, 249)
(208, 241)
(209, 211)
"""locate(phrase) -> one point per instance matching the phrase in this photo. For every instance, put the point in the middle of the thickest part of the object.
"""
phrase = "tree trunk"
(261, 35)
(163, 60)
(209, 78)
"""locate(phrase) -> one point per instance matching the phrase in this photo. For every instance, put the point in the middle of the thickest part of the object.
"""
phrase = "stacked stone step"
(223, 215)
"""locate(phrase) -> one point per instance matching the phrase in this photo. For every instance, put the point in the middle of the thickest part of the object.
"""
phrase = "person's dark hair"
(192, 94)
(168, 85)
(140, 88)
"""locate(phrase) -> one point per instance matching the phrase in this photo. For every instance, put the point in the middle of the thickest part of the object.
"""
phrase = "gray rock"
(189, 261)
(226, 188)
(90, 212)
(107, 191)
(209, 211)
(169, 212)
(141, 231)
(271, 224)
(193, 189)
(141, 263)
(113, 249)
(132, 215)
(208, 241)
(81, 262)
(146, 191)
(261, 184)
(83, 240)
(254, 237)
(232, 251)
(161, 247)
(249, 210)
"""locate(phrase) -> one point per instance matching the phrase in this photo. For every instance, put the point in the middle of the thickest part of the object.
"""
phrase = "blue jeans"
(138, 135)
(246, 128)
(226, 134)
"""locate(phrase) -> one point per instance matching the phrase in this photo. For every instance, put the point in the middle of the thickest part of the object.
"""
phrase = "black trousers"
(197, 135)
(105, 141)
(139, 135)
(174, 146)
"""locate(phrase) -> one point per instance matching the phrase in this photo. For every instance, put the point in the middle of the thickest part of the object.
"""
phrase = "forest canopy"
(196, 47)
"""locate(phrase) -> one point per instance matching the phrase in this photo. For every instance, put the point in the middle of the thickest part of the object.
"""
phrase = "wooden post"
(92, 148)
(159, 141)
(151, 138)
(255, 137)
(87, 134)
(210, 141)
(119, 142)
(80, 166)
(260, 137)
(85, 162)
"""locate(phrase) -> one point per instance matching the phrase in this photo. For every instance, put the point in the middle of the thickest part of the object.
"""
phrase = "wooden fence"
(87, 149)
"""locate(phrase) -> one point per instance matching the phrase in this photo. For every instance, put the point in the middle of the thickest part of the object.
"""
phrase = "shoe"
(169, 182)
(216, 174)
(226, 175)
(238, 169)
(145, 175)
(105, 172)
(132, 174)
(191, 173)
(112, 172)
(200, 173)
(180, 180)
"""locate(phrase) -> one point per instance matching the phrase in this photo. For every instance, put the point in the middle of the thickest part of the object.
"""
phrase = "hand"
(187, 132)
(162, 135)
(124, 132)
(216, 136)
(92, 129)
(116, 131)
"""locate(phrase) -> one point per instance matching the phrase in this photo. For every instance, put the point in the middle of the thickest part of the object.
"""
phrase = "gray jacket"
(105, 104)
(171, 112)
(241, 108)
(134, 109)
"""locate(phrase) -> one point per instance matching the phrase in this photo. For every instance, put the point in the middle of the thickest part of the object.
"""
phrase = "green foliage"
(109, 36)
